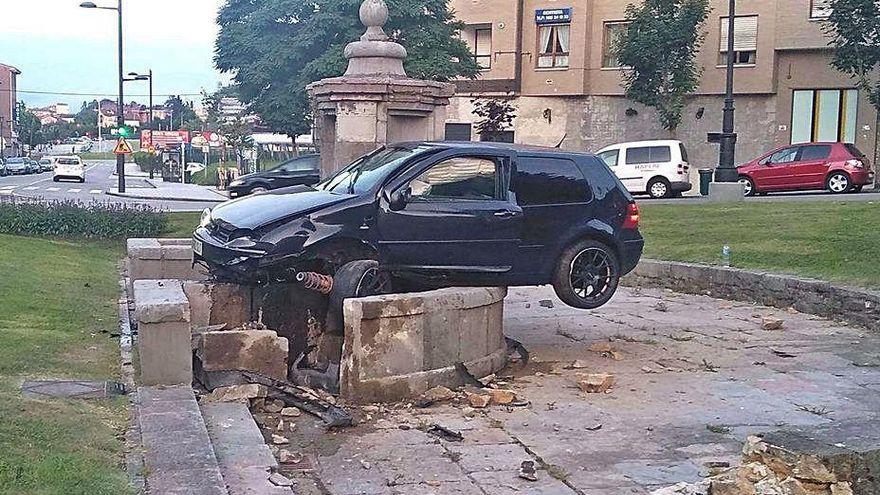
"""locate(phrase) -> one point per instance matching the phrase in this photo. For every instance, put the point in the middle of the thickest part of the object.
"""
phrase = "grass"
(181, 224)
(834, 241)
(58, 305)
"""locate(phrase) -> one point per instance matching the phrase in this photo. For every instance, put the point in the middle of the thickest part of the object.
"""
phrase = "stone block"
(261, 351)
(165, 353)
(726, 192)
(162, 259)
(218, 304)
(160, 301)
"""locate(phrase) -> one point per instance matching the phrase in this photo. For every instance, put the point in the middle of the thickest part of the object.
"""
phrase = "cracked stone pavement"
(696, 375)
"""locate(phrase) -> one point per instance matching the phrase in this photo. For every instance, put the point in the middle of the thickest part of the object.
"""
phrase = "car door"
(811, 166)
(636, 168)
(613, 158)
(458, 215)
(774, 172)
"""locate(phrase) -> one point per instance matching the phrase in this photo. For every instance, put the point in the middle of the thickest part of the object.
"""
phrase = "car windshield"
(15, 161)
(362, 175)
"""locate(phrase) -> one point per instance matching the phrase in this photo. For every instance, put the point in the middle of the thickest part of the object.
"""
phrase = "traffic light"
(125, 132)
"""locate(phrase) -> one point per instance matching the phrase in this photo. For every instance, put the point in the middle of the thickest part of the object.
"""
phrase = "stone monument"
(375, 103)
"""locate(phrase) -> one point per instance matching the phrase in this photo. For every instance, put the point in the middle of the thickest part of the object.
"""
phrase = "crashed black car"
(436, 214)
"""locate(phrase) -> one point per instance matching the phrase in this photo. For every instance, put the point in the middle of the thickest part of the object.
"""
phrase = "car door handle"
(504, 214)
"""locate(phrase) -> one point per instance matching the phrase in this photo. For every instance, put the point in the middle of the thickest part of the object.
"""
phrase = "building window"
(555, 43)
(613, 33)
(745, 40)
(820, 9)
(825, 115)
(479, 40)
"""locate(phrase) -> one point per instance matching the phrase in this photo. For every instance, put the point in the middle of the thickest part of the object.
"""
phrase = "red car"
(836, 167)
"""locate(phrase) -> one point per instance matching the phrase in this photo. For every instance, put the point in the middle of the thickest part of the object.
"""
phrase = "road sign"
(122, 147)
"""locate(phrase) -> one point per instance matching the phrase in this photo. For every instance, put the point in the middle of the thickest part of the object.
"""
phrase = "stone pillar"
(375, 103)
(164, 334)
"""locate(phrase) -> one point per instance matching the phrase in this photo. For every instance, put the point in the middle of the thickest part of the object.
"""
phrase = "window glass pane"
(850, 111)
(660, 154)
(684, 153)
(542, 181)
(546, 34)
(815, 152)
(828, 116)
(563, 38)
(745, 33)
(636, 156)
(461, 178)
(484, 42)
(613, 33)
(610, 157)
(784, 156)
(802, 117)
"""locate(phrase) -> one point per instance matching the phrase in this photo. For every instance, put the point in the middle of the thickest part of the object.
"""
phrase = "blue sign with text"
(553, 16)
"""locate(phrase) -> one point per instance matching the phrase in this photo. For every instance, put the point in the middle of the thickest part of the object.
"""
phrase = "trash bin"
(705, 179)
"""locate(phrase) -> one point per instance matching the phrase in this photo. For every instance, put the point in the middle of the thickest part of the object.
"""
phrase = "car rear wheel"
(587, 274)
(748, 185)
(838, 183)
(857, 189)
(361, 278)
(659, 188)
(259, 190)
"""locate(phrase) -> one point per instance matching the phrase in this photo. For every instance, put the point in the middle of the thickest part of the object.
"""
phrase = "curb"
(219, 199)
(851, 304)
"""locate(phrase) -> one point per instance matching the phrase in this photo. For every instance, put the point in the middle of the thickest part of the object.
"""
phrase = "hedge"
(93, 220)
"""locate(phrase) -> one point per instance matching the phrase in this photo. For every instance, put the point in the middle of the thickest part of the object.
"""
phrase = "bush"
(94, 220)
(147, 161)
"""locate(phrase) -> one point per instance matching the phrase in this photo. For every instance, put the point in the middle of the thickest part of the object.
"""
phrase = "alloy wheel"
(591, 274)
(838, 183)
(372, 283)
(747, 186)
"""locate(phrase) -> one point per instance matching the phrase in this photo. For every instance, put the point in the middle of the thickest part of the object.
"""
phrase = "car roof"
(68, 157)
(633, 144)
(489, 146)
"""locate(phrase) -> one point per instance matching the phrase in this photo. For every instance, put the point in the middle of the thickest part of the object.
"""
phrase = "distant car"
(18, 166)
(34, 166)
(302, 171)
(657, 168)
(836, 167)
(69, 167)
(48, 163)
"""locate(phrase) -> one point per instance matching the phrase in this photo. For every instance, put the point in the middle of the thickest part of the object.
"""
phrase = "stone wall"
(398, 346)
(854, 305)
(160, 259)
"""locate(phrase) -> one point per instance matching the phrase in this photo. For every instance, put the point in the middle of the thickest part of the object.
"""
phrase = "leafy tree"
(275, 48)
(659, 50)
(30, 129)
(182, 115)
(87, 116)
(854, 26)
(496, 115)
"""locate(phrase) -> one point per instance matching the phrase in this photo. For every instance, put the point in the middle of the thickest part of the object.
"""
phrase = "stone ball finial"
(374, 13)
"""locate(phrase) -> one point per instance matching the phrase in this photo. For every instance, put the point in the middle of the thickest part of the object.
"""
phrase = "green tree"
(854, 27)
(659, 50)
(496, 115)
(87, 117)
(182, 115)
(30, 129)
(275, 48)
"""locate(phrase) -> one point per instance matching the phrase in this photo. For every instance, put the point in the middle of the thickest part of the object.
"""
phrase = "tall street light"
(134, 76)
(120, 105)
(726, 171)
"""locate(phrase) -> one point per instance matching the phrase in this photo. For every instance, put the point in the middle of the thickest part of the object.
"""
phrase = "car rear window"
(815, 152)
(548, 181)
(648, 154)
(68, 161)
(853, 150)
(684, 152)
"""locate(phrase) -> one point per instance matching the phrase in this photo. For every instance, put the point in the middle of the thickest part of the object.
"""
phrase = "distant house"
(9, 144)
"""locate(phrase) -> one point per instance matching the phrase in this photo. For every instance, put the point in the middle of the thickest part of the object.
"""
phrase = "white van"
(69, 167)
(657, 168)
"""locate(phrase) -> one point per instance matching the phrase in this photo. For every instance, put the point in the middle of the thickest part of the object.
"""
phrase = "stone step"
(178, 455)
(244, 458)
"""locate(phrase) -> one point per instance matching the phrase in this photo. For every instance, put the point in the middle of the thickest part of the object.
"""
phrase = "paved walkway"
(172, 191)
(694, 376)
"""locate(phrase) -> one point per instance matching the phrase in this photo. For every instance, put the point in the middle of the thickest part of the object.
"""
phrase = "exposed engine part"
(316, 282)
(302, 398)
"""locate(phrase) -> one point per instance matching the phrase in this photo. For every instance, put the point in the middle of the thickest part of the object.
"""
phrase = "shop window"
(613, 33)
(554, 45)
(826, 115)
(745, 40)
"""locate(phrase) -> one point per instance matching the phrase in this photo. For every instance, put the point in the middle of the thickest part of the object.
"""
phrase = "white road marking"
(74, 190)
(95, 191)
(52, 189)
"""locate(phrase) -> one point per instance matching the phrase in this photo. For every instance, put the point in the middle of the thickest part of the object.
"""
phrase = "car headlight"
(236, 183)
(206, 218)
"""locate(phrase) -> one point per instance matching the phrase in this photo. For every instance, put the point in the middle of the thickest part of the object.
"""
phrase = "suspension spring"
(316, 282)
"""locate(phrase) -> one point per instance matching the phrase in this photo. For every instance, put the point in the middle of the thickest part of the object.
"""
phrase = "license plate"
(197, 247)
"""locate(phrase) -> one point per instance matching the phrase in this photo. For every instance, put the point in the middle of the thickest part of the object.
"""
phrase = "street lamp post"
(134, 76)
(120, 105)
(726, 171)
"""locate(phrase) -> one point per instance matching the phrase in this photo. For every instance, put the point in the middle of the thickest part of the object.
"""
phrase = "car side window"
(470, 178)
(610, 157)
(815, 152)
(786, 155)
(550, 181)
(648, 154)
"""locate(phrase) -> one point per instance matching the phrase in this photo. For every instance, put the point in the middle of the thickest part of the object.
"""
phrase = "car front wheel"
(587, 274)
(361, 278)
(838, 183)
(748, 185)
(659, 188)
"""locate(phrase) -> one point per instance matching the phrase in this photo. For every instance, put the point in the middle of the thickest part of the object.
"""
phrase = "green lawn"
(834, 241)
(58, 300)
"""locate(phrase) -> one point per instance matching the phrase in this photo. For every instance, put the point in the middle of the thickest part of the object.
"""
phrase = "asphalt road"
(99, 178)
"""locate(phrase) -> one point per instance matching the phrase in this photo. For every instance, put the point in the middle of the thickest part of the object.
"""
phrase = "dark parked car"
(34, 166)
(294, 172)
(836, 167)
(445, 214)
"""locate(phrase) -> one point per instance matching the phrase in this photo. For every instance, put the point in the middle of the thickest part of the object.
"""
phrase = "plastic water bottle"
(725, 255)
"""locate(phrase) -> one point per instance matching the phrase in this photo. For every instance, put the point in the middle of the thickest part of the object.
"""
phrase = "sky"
(63, 48)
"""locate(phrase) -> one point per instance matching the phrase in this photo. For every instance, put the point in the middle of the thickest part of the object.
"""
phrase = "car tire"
(748, 185)
(259, 190)
(587, 274)
(361, 278)
(857, 189)
(659, 188)
(838, 183)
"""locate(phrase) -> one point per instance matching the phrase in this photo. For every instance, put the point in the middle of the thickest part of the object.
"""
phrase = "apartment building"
(8, 100)
(553, 58)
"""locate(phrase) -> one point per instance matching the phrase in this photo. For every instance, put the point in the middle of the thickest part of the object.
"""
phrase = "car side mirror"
(399, 198)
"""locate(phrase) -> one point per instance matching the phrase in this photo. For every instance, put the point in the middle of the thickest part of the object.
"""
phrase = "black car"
(294, 172)
(448, 214)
